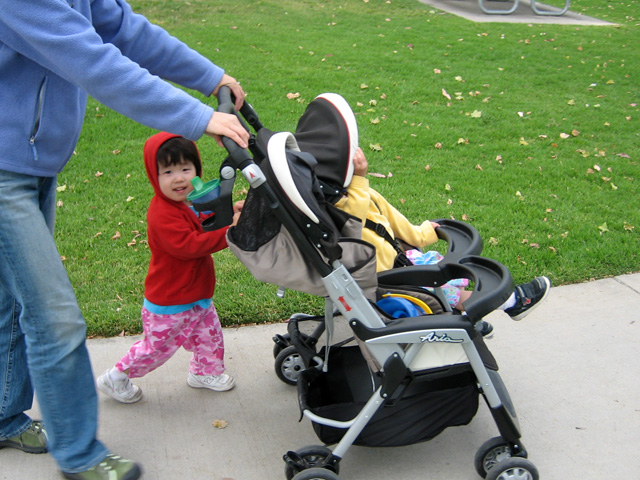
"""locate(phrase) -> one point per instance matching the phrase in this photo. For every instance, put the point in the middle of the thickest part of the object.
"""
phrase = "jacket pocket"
(38, 117)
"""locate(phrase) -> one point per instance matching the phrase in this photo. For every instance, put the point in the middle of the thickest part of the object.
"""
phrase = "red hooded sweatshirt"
(181, 268)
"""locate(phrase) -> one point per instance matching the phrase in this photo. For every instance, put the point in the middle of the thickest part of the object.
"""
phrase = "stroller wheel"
(490, 453)
(316, 474)
(281, 342)
(514, 468)
(288, 365)
(284, 341)
(309, 459)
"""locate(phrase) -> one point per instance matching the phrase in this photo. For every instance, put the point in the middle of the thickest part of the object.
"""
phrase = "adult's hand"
(236, 89)
(227, 125)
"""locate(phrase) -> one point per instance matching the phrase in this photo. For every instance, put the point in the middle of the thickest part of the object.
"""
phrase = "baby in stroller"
(385, 226)
(429, 369)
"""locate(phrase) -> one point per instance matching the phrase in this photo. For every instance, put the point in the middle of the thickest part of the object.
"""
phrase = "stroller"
(405, 379)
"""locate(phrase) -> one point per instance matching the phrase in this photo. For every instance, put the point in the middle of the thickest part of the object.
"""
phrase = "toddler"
(177, 310)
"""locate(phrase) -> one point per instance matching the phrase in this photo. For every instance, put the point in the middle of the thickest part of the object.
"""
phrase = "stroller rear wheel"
(283, 341)
(288, 365)
(316, 474)
(309, 460)
(514, 468)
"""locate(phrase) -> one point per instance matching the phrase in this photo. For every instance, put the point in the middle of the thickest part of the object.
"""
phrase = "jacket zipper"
(36, 124)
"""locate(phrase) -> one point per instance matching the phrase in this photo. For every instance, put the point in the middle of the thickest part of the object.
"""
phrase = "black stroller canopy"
(328, 131)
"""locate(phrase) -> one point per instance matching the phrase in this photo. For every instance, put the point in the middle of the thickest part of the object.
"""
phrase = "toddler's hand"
(238, 206)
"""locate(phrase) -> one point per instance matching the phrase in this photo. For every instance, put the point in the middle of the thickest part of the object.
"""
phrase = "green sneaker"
(32, 440)
(111, 468)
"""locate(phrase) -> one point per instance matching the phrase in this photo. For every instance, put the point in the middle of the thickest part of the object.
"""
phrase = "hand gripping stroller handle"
(238, 154)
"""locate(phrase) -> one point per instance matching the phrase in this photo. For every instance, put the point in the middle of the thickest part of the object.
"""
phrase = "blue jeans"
(42, 331)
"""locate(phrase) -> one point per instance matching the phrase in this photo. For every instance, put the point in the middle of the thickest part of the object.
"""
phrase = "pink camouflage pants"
(197, 330)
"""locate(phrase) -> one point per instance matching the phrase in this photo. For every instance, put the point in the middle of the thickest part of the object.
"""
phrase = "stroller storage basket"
(428, 405)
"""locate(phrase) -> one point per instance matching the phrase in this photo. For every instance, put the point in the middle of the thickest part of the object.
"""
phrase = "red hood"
(151, 147)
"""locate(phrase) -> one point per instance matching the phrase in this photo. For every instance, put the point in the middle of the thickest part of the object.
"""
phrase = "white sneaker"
(121, 390)
(219, 383)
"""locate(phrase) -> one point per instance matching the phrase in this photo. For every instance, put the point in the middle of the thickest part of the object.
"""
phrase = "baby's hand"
(360, 164)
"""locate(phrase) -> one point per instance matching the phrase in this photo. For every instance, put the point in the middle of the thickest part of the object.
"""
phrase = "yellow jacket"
(364, 202)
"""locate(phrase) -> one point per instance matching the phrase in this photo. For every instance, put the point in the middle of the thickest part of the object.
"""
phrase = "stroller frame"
(395, 345)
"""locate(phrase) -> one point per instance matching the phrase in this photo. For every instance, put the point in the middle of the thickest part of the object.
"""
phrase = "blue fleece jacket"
(55, 52)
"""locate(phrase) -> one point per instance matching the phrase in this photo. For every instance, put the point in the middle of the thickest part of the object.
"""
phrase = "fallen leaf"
(628, 227)
(374, 121)
(438, 145)
(99, 174)
(378, 175)
(220, 424)
(445, 94)
(291, 96)
(575, 133)
(476, 114)
(564, 135)
(61, 188)
(116, 236)
(375, 147)
(603, 228)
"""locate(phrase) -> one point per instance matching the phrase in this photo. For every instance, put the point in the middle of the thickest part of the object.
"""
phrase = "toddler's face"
(175, 180)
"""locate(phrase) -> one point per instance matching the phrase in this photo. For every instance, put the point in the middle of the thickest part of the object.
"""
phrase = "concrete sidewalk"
(523, 13)
(571, 367)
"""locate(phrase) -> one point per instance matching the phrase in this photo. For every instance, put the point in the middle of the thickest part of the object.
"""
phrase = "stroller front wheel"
(514, 468)
(288, 365)
(316, 474)
(491, 453)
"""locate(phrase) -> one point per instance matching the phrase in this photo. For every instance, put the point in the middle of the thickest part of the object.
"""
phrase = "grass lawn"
(528, 132)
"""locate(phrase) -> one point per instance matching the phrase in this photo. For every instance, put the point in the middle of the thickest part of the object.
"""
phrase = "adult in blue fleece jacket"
(53, 53)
